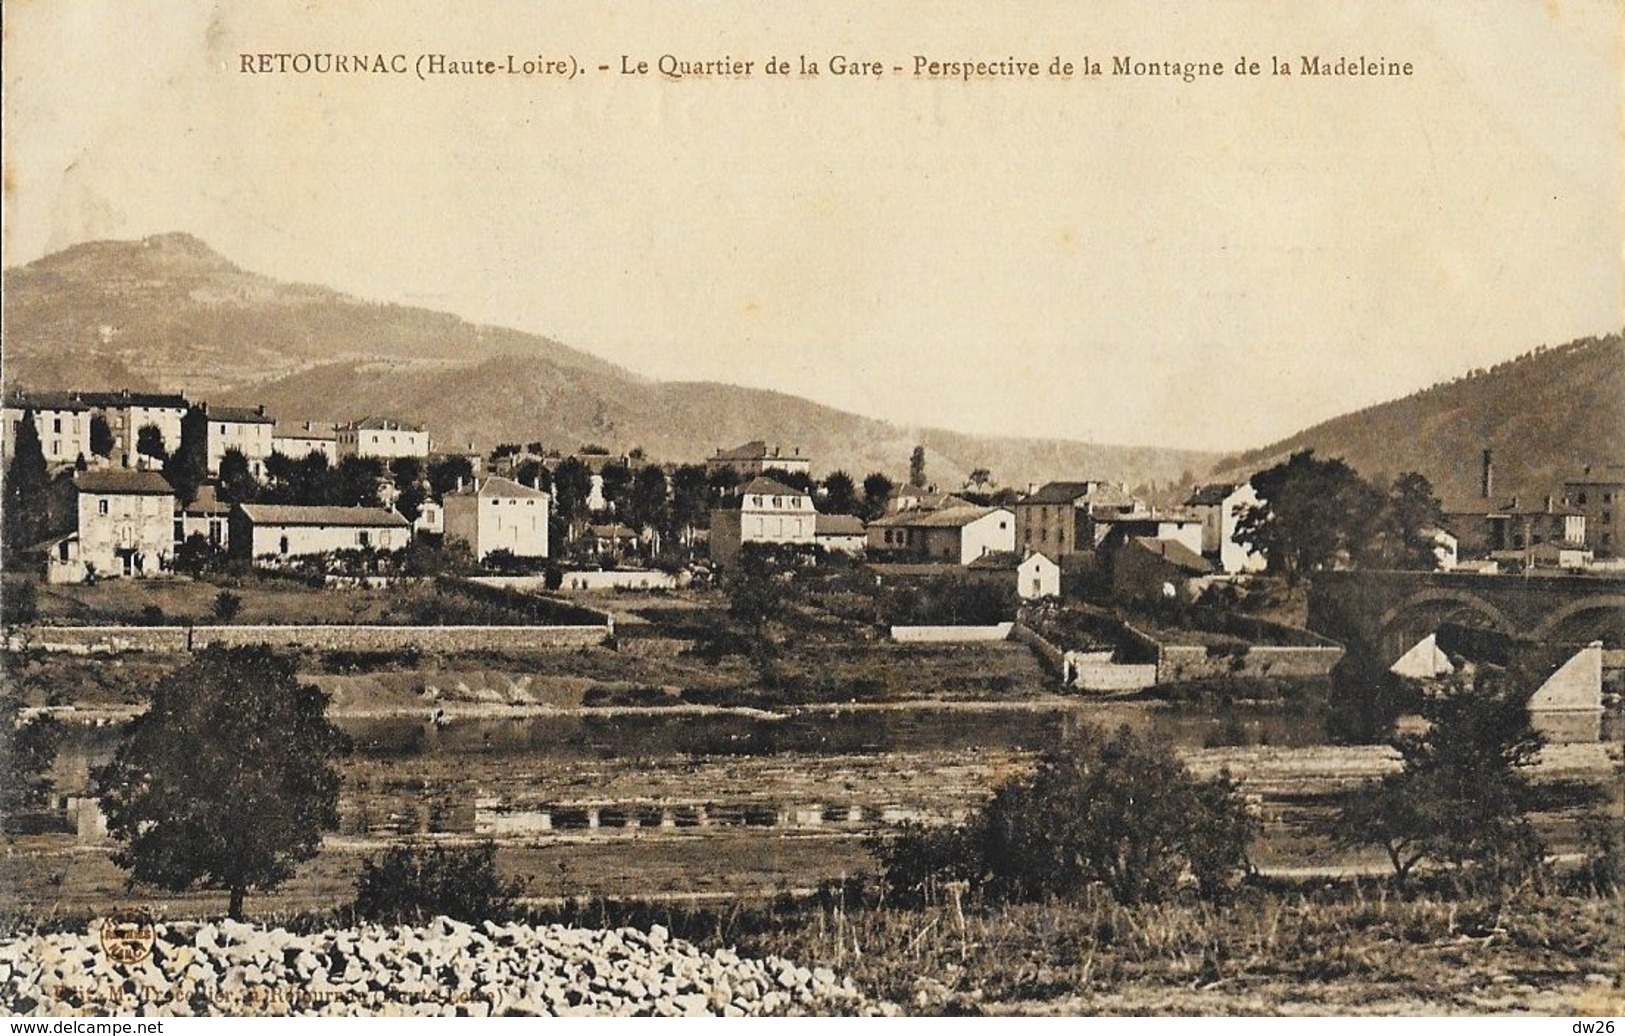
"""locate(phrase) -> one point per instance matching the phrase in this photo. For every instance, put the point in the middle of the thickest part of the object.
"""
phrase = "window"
(283, 545)
(56, 425)
(364, 538)
(101, 507)
(1581, 498)
(1608, 517)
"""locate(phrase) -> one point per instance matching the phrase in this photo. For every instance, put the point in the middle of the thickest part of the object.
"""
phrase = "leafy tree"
(979, 479)
(188, 467)
(1120, 810)
(617, 486)
(237, 482)
(149, 442)
(916, 468)
(413, 884)
(447, 473)
(724, 480)
(755, 595)
(534, 473)
(1402, 536)
(101, 436)
(26, 510)
(405, 471)
(197, 555)
(1310, 513)
(229, 778)
(648, 507)
(355, 482)
(410, 500)
(506, 449)
(840, 494)
(27, 749)
(690, 499)
(312, 481)
(1461, 796)
(572, 485)
(877, 489)
(799, 480)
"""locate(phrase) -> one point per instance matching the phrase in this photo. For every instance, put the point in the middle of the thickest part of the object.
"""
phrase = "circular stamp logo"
(127, 936)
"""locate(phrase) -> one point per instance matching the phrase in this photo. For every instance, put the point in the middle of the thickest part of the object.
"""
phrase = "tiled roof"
(761, 485)
(1174, 553)
(497, 486)
(946, 518)
(383, 424)
(1211, 495)
(69, 401)
(239, 415)
(207, 501)
(756, 449)
(292, 514)
(997, 561)
(1060, 492)
(838, 525)
(123, 480)
(305, 430)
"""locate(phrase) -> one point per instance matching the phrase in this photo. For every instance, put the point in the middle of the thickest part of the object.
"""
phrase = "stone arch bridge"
(1388, 612)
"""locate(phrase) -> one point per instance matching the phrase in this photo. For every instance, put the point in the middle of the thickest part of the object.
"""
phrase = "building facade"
(767, 512)
(248, 430)
(1057, 518)
(756, 457)
(382, 437)
(1597, 493)
(498, 514)
(273, 531)
(951, 535)
(61, 419)
(297, 440)
(1219, 507)
(126, 522)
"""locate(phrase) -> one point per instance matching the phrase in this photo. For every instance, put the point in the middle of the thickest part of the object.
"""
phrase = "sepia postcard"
(838, 510)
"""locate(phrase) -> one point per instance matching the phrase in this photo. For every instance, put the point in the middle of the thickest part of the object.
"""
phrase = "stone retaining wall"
(950, 634)
(178, 639)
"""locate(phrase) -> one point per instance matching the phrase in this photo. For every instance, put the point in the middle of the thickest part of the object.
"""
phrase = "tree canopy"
(26, 511)
(229, 778)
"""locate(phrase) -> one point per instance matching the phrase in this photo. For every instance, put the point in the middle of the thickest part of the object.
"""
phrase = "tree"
(572, 485)
(617, 486)
(26, 510)
(690, 499)
(101, 436)
(877, 489)
(405, 471)
(1462, 793)
(227, 605)
(188, 467)
(237, 482)
(534, 473)
(229, 778)
(1403, 534)
(410, 500)
(447, 473)
(1310, 513)
(755, 596)
(979, 479)
(916, 468)
(647, 503)
(840, 494)
(355, 482)
(149, 442)
(27, 749)
(724, 480)
(1120, 810)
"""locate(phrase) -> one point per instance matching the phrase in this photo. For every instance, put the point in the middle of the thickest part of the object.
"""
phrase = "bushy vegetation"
(411, 884)
(1461, 798)
(1117, 811)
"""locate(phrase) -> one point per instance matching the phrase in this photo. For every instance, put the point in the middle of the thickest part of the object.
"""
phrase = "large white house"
(498, 514)
(382, 437)
(297, 440)
(62, 420)
(767, 512)
(248, 430)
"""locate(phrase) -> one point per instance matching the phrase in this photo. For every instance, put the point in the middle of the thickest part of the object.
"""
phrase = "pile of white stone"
(443, 968)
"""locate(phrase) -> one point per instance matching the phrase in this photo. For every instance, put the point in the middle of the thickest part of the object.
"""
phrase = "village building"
(431, 519)
(292, 531)
(765, 511)
(1034, 575)
(1597, 493)
(1146, 567)
(62, 420)
(204, 515)
(126, 413)
(917, 498)
(1219, 507)
(125, 523)
(951, 535)
(612, 539)
(1058, 518)
(840, 533)
(383, 438)
(248, 430)
(297, 440)
(1112, 526)
(756, 458)
(498, 514)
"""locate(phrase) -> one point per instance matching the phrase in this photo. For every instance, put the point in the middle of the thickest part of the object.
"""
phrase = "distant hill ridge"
(1544, 415)
(169, 313)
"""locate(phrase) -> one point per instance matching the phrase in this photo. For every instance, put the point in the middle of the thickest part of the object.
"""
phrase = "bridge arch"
(1395, 638)
(1605, 603)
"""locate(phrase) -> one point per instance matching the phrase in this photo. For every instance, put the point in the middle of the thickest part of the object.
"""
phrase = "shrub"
(19, 602)
(411, 884)
(1120, 810)
(227, 605)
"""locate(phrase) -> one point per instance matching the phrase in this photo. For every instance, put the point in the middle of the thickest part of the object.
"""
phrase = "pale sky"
(1141, 260)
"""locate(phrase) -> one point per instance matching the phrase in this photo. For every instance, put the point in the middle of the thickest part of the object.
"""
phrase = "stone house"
(291, 531)
(765, 511)
(1219, 507)
(1146, 567)
(297, 440)
(840, 533)
(62, 420)
(755, 458)
(125, 523)
(1058, 518)
(1034, 575)
(248, 430)
(498, 514)
(952, 535)
(384, 438)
